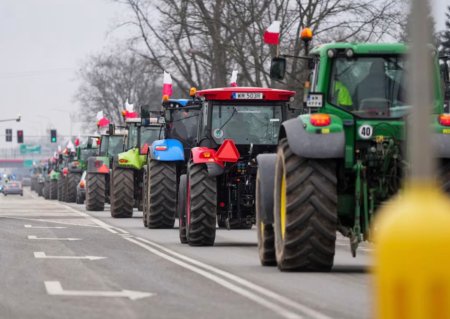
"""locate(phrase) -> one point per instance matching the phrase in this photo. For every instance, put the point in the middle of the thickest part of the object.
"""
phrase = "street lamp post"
(17, 119)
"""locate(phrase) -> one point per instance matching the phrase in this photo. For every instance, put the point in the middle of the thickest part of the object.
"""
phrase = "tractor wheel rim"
(283, 205)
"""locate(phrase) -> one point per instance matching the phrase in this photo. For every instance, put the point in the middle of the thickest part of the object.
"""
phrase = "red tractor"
(236, 124)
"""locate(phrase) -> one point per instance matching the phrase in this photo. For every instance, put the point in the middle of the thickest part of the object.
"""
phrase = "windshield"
(115, 145)
(150, 134)
(111, 145)
(369, 86)
(183, 124)
(132, 136)
(246, 124)
(86, 153)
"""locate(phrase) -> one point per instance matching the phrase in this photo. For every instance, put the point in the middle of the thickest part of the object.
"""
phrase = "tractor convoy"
(301, 169)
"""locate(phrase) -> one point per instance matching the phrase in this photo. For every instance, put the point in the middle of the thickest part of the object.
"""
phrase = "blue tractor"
(167, 161)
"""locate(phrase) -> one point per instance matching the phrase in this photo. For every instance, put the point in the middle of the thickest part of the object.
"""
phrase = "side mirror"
(278, 68)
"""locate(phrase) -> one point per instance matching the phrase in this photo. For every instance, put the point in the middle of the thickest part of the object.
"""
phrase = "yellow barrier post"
(412, 232)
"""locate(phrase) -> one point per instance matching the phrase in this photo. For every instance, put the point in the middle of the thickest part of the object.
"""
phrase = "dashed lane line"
(311, 313)
(283, 312)
(48, 221)
(253, 291)
(33, 237)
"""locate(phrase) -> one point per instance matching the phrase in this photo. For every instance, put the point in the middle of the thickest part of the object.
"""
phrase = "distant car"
(13, 188)
(26, 181)
(81, 189)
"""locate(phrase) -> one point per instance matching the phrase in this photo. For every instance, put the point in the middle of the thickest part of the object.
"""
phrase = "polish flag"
(103, 122)
(233, 80)
(167, 84)
(272, 34)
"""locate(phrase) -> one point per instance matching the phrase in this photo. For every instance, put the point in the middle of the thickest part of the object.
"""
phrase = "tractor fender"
(266, 170)
(174, 150)
(214, 166)
(98, 165)
(310, 145)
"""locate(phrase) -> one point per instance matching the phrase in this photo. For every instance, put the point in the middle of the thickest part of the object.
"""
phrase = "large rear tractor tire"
(60, 189)
(45, 190)
(71, 189)
(445, 176)
(122, 193)
(162, 194)
(201, 207)
(145, 197)
(53, 189)
(181, 208)
(265, 233)
(305, 211)
(95, 192)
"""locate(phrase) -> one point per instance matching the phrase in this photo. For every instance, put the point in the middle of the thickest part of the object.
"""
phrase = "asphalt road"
(59, 261)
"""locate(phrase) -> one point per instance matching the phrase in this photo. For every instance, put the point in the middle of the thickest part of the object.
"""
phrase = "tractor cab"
(181, 121)
(250, 117)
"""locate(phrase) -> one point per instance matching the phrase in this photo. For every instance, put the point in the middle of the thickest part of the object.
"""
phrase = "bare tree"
(201, 41)
(108, 80)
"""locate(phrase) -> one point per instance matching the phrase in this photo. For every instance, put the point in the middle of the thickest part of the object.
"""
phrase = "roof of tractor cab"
(362, 48)
(230, 94)
(174, 103)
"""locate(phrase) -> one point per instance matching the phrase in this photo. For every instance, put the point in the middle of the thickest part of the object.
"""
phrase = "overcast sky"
(42, 42)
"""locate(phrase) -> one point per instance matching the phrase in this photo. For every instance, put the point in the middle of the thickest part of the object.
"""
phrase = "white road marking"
(224, 283)
(42, 238)
(54, 288)
(311, 313)
(42, 255)
(48, 221)
(44, 227)
(92, 219)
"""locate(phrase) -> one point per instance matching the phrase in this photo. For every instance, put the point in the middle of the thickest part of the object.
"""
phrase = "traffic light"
(19, 136)
(53, 136)
(8, 135)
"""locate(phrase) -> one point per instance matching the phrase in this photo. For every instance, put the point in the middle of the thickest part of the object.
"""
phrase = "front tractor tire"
(265, 233)
(305, 211)
(162, 194)
(95, 192)
(201, 207)
(122, 193)
(181, 208)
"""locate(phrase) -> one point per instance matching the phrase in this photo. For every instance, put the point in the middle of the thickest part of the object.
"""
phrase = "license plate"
(247, 96)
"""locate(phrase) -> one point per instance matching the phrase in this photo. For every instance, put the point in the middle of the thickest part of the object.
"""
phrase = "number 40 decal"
(365, 131)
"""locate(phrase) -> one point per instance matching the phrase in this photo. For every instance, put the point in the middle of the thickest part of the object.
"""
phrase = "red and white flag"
(272, 34)
(233, 80)
(167, 84)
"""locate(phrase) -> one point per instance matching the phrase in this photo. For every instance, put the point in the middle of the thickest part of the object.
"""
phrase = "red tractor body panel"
(233, 94)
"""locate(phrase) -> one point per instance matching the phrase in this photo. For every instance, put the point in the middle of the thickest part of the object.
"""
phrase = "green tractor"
(342, 158)
(99, 167)
(74, 163)
(127, 174)
(50, 190)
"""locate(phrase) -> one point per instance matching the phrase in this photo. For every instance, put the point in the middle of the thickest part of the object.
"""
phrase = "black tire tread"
(122, 193)
(95, 192)
(71, 189)
(162, 194)
(311, 212)
(203, 210)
